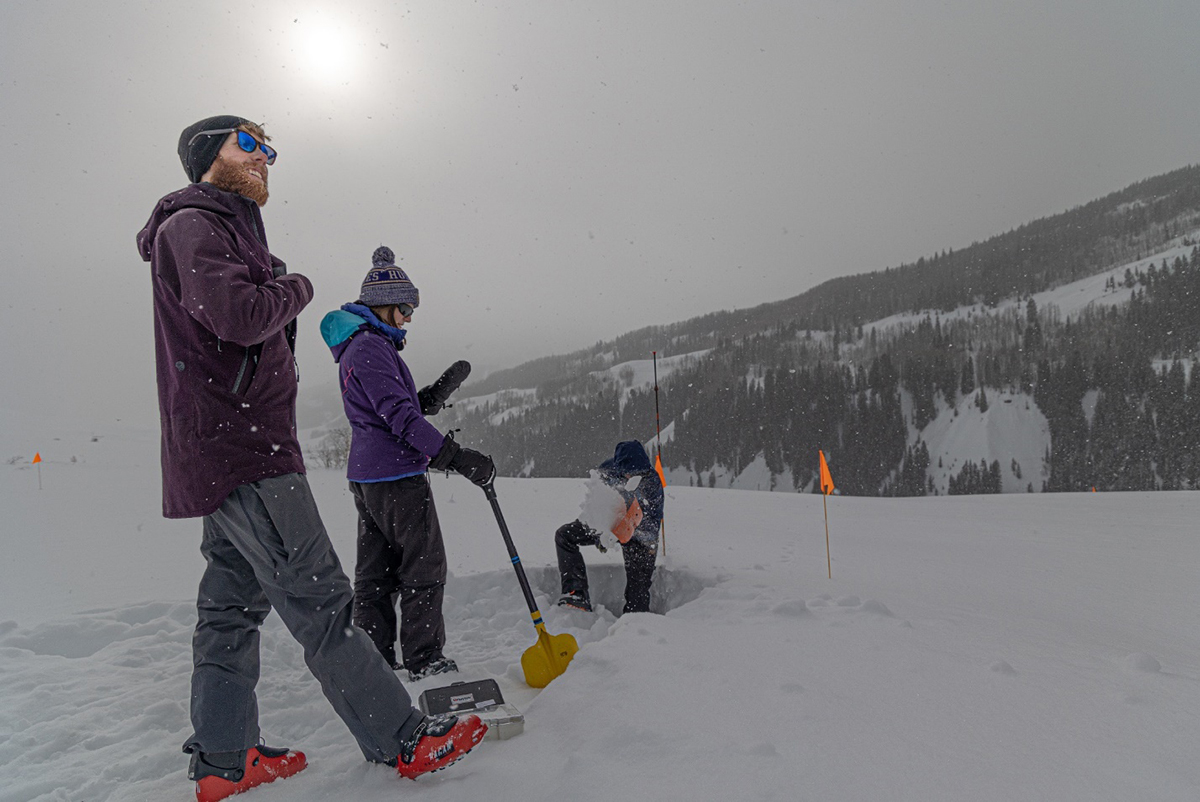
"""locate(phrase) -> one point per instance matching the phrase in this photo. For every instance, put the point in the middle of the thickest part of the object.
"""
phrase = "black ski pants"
(639, 564)
(401, 556)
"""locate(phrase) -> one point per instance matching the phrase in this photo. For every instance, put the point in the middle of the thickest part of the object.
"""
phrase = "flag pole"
(826, 479)
(828, 558)
(37, 460)
(658, 453)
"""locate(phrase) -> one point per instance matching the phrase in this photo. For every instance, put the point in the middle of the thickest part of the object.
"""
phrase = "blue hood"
(629, 459)
(339, 326)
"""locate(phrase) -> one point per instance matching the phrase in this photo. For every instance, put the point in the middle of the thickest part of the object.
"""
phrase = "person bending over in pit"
(638, 538)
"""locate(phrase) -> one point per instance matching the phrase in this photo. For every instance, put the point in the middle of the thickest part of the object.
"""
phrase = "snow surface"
(988, 647)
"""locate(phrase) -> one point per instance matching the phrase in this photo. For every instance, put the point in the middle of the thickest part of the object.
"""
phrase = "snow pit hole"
(486, 594)
(488, 624)
(670, 589)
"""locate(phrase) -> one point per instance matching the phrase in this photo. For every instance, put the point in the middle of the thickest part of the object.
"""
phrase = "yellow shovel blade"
(549, 657)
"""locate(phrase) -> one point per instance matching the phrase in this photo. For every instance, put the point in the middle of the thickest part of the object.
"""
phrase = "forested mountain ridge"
(1120, 227)
(1082, 324)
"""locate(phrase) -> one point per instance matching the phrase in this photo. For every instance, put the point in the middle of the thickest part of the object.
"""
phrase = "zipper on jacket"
(250, 206)
(241, 371)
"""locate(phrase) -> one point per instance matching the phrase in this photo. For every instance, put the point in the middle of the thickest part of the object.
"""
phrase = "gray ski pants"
(267, 548)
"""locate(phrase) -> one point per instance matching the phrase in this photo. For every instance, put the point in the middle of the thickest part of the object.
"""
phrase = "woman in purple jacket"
(400, 550)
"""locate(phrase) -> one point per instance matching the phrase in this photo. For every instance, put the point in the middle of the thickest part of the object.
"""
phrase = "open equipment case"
(483, 698)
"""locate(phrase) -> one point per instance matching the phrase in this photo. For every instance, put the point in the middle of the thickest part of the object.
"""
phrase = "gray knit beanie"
(387, 284)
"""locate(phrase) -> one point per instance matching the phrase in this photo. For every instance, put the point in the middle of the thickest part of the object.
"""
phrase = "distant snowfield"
(1012, 431)
(995, 648)
(639, 374)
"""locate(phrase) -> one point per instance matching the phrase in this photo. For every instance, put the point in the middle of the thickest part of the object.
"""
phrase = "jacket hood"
(337, 327)
(340, 325)
(629, 459)
(195, 196)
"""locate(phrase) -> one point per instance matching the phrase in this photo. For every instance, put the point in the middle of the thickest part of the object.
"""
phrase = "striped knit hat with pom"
(387, 284)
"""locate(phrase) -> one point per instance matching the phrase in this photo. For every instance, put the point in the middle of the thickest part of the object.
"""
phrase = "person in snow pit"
(400, 550)
(225, 313)
(641, 546)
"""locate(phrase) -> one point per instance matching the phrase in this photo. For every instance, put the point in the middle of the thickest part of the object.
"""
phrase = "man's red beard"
(233, 177)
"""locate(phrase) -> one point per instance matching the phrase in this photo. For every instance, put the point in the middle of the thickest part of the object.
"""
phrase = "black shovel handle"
(490, 491)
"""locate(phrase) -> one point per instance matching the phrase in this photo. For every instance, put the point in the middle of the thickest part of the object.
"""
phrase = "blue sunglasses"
(245, 141)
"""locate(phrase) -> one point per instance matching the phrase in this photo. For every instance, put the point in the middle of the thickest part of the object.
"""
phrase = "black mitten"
(477, 467)
(433, 398)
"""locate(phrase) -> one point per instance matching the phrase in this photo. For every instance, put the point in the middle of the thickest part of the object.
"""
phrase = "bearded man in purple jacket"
(225, 313)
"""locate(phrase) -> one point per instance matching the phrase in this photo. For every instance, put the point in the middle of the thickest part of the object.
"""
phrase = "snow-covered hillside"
(1068, 299)
(984, 648)
(1012, 432)
(639, 374)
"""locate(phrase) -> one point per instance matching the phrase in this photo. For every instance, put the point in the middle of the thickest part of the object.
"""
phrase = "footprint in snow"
(1140, 661)
(876, 607)
(792, 608)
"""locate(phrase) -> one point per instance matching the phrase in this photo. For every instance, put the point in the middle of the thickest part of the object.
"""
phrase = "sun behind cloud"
(327, 49)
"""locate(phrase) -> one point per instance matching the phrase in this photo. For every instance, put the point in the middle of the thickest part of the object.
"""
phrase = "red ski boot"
(438, 742)
(217, 776)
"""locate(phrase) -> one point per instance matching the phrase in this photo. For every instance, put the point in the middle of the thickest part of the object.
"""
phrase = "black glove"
(433, 398)
(478, 468)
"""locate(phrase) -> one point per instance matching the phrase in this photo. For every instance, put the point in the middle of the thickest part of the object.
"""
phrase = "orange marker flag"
(826, 477)
(658, 467)
(826, 489)
(37, 458)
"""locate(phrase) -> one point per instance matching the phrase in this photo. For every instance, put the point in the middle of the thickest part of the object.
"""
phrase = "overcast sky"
(555, 173)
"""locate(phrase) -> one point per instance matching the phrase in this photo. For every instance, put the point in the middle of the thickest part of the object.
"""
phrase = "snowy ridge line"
(637, 374)
(1070, 299)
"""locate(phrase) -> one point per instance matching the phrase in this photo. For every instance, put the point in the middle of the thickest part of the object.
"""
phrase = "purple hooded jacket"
(224, 336)
(390, 438)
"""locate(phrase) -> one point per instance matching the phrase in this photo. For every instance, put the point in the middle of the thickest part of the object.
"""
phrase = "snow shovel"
(546, 659)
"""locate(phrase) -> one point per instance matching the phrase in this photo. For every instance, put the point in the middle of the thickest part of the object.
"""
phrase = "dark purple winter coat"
(224, 336)
(390, 438)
